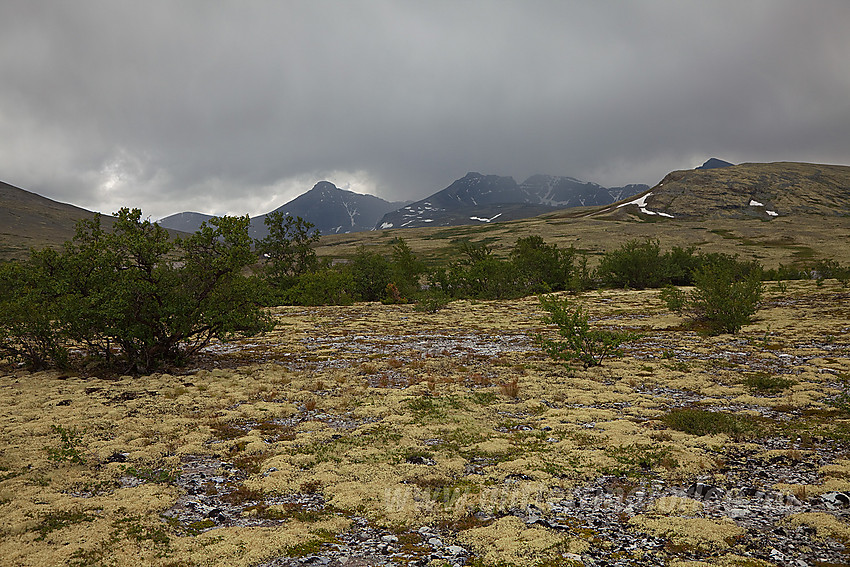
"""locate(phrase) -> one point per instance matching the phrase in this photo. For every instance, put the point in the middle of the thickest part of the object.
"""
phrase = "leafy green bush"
(405, 269)
(480, 276)
(784, 273)
(392, 296)
(826, 269)
(719, 302)
(675, 298)
(723, 303)
(371, 273)
(492, 278)
(542, 267)
(287, 250)
(30, 303)
(133, 296)
(329, 286)
(635, 265)
(736, 268)
(582, 343)
(432, 301)
(680, 264)
(641, 265)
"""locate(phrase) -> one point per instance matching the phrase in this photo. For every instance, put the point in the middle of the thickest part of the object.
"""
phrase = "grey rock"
(702, 491)
(836, 499)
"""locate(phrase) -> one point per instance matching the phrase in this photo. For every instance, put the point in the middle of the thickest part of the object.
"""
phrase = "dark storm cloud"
(237, 107)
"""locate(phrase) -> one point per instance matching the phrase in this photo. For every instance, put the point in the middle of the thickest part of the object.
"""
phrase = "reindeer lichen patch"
(701, 534)
(382, 416)
(677, 506)
(826, 525)
(510, 541)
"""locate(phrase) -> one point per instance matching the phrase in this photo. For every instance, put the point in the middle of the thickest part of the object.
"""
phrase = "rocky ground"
(378, 435)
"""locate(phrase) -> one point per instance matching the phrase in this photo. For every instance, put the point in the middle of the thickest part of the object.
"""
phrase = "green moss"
(58, 520)
(69, 448)
(703, 422)
(639, 460)
(767, 384)
(148, 474)
(134, 528)
(199, 527)
(310, 547)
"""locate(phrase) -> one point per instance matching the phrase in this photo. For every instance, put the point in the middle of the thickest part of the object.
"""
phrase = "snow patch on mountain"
(641, 204)
(485, 220)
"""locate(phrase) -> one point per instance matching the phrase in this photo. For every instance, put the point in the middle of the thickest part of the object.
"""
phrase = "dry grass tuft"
(510, 388)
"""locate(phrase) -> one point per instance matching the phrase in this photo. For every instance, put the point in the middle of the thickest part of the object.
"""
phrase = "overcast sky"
(238, 107)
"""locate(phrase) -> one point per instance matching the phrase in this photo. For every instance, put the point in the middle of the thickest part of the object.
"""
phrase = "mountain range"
(796, 193)
(331, 210)
(473, 199)
(477, 198)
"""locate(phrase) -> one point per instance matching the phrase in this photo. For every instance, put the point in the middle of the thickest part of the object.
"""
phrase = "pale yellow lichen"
(827, 525)
(509, 540)
(565, 427)
(676, 506)
(695, 533)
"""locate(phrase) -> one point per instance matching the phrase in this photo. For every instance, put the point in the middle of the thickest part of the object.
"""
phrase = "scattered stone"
(705, 492)
(420, 460)
(836, 499)
(117, 457)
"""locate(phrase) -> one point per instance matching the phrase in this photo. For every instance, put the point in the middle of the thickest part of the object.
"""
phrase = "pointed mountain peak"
(714, 163)
(324, 186)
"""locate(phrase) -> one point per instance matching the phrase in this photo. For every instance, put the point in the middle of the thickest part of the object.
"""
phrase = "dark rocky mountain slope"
(330, 209)
(477, 198)
(714, 163)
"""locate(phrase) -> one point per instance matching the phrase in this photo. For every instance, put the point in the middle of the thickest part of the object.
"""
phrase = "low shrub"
(133, 299)
(582, 343)
(764, 383)
(703, 422)
(721, 301)
(635, 265)
(69, 449)
(542, 267)
(432, 301)
(328, 286)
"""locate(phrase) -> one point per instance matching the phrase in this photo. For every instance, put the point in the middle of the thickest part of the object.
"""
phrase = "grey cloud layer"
(230, 107)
